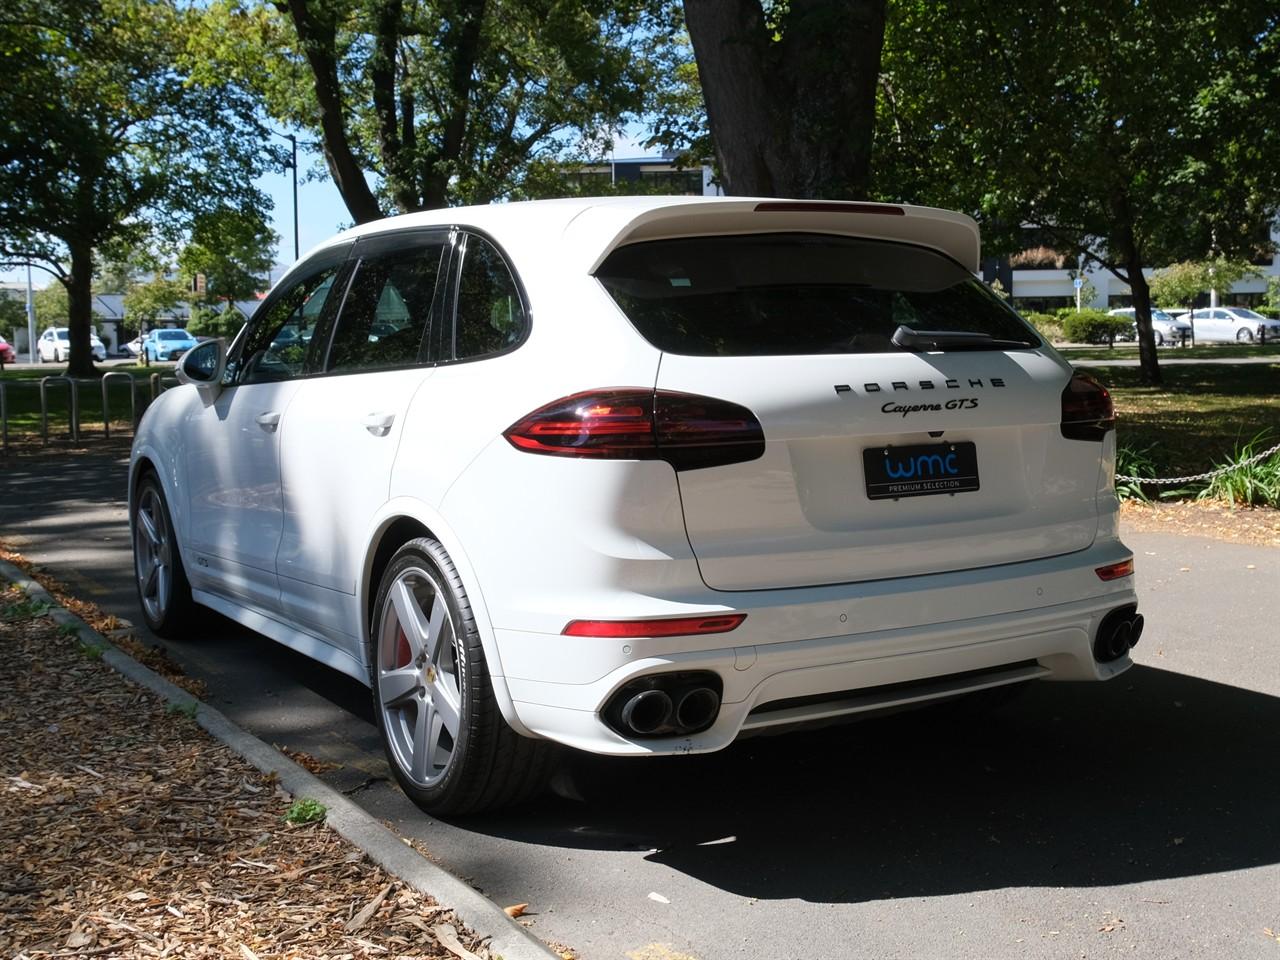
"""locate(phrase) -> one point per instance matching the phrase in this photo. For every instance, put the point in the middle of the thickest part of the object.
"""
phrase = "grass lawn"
(1201, 414)
(1129, 351)
(22, 396)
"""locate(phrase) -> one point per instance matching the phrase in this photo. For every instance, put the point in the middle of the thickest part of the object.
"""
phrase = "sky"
(321, 212)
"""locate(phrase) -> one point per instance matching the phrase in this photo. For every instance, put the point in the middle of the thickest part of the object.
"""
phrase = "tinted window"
(778, 294)
(490, 316)
(276, 348)
(386, 313)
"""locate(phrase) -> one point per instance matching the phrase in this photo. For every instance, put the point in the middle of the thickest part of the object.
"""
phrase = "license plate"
(922, 470)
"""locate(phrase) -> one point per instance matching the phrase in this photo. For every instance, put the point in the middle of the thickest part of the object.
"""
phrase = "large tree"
(790, 92)
(1130, 134)
(442, 101)
(104, 140)
(233, 251)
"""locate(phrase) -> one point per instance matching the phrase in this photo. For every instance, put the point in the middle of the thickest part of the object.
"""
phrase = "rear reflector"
(679, 627)
(1087, 410)
(631, 423)
(1114, 571)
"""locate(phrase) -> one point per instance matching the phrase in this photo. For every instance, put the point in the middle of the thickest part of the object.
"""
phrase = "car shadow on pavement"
(1156, 775)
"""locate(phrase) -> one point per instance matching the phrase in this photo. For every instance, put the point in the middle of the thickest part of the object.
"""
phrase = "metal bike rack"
(44, 407)
(106, 410)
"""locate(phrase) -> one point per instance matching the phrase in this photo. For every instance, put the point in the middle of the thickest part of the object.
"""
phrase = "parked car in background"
(54, 345)
(1233, 324)
(134, 347)
(167, 344)
(1166, 328)
(7, 353)
(638, 476)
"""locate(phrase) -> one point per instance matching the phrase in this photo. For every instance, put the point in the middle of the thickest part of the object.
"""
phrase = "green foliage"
(1255, 484)
(233, 250)
(1136, 134)
(444, 101)
(1180, 283)
(208, 322)
(1133, 462)
(1273, 291)
(27, 609)
(188, 709)
(1046, 324)
(91, 651)
(305, 810)
(1093, 326)
(1270, 312)
(52, 308)
(106, 141)
(148, 302)
(13, 313)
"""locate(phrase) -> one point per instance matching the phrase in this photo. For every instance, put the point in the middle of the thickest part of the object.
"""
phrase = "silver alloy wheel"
(419, 677)
(152, 554)
(1244, 335)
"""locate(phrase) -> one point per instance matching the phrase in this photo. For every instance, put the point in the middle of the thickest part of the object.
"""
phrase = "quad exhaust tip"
(665, 705)
(1118, 633)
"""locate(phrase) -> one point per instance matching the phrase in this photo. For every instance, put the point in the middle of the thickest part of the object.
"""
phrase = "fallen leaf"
(658, 898)
(516, 910)
(370, 908)
(247, 953)
(448, 938)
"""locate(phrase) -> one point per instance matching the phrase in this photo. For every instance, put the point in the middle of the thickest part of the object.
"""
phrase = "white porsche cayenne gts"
(638, 476)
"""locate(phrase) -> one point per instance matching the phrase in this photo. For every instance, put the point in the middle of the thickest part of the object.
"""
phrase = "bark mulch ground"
(127, 831)
(1204, 518)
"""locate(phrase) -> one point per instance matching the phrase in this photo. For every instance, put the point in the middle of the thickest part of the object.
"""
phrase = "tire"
(422, 686)
(1159, 339)
(57, 355)
(1244, 335)
(161, 581)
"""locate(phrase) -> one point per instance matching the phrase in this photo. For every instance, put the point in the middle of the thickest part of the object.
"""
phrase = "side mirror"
(202, 367)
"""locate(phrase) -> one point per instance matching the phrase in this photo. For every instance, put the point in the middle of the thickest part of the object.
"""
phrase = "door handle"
(269, 421)
(379, 424)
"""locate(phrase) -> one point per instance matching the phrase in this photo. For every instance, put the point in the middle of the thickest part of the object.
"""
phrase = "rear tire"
(163, 591)
(446, 741)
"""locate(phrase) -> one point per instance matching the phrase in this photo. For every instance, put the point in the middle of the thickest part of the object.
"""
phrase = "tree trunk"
(319, 39)
(79, 284)
(1141, 291)
(792, 114)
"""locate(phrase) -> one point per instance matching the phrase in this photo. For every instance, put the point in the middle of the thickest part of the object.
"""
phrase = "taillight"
(1087, 411)
(630, 423)
(1114, 571)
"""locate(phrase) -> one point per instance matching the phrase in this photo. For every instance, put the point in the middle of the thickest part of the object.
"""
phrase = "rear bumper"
(795, 660)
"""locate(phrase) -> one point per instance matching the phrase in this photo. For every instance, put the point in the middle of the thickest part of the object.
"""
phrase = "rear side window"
(490, 316)
(385, 317)
(786, 294)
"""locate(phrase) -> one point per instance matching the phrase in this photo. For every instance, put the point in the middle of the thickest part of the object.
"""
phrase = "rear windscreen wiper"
(923, 340)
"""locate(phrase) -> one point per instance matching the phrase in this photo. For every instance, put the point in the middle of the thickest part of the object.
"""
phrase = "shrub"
(1094, 326)
(1272, 313)
(1046, 324)
(1251, 484)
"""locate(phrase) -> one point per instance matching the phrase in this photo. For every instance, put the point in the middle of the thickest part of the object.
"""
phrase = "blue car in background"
(167, 344)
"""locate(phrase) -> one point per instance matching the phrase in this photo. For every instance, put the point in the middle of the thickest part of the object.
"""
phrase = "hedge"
(1094, 326)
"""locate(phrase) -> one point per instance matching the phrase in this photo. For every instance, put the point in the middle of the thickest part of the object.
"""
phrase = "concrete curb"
(507, 939)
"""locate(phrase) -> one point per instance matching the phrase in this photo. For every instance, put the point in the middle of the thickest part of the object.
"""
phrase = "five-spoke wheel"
(163, 592)
(447, 742)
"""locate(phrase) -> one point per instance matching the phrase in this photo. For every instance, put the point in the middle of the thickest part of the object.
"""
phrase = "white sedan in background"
(1233, 325)
(1167, 329)
(54, 346)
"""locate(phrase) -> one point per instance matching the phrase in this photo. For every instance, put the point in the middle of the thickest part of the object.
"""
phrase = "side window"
(387, 310)
(490, 316)
(277, 344)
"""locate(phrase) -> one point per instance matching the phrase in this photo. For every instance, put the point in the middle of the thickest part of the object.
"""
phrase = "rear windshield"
(781, 294)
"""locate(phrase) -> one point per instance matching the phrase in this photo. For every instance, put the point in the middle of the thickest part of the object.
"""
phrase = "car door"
(341, 433)
(235, 513)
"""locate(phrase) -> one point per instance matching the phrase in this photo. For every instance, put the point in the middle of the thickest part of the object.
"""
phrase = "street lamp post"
(31, 320)
(293, 143)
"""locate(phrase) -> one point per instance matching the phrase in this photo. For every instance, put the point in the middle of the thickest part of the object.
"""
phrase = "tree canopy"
(105, 140)
(1133, 134)
(421, 103)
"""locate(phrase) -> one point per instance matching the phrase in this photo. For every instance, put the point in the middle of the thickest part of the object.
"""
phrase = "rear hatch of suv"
(912, 421)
